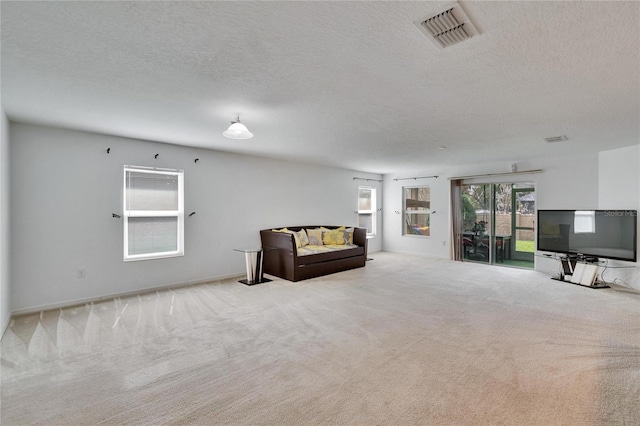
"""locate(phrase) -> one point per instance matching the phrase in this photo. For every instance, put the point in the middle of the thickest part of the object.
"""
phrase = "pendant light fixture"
(237, 130)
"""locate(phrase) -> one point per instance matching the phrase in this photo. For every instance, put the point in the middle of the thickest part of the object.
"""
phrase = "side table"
(253, 263)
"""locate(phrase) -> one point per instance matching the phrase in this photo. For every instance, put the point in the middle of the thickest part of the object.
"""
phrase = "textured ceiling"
(347, 84)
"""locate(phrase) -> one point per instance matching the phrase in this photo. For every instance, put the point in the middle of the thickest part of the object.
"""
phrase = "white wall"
(65, 187)
(5, 296)
(618, 178)
(564, 183)
(606, 180)
(393, 220)
(619, 188)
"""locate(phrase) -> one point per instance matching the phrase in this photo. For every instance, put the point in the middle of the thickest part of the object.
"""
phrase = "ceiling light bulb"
(237, 130)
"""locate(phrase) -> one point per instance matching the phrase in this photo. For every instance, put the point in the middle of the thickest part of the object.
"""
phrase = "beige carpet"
(406, 340)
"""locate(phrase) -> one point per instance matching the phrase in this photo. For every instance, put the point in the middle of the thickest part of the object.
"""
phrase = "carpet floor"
(405, 340)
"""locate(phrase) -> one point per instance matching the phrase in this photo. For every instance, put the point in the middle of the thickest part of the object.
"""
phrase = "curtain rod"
(524, 172)
(156, 169)
(375, 180)
(414, 178)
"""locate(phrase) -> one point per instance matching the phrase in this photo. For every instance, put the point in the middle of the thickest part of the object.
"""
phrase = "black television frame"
(583, 254)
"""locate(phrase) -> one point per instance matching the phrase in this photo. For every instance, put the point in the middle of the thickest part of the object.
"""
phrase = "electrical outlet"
(81, 273)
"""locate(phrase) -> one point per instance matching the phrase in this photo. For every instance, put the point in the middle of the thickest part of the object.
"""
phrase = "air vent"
(448, 27)
(555, 139)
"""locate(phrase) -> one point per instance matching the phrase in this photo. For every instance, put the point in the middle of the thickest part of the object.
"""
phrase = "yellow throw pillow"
(334, 237)
(296, 237)
(342, 228)
(302, 236)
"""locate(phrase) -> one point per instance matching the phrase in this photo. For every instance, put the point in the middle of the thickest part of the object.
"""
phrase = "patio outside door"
(477, 222)
(523, 223)
(498, 223)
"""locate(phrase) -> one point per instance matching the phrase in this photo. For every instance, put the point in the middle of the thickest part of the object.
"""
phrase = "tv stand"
(596, 284)
(580, 270)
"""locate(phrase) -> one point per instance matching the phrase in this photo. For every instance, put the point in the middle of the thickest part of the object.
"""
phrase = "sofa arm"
(360, 236)
(282, 261)
(279, 240)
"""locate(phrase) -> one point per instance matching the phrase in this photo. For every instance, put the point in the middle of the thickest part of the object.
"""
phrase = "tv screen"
(610, 234)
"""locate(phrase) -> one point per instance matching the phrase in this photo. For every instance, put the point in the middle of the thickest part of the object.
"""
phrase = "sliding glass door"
(498, 223)
(522, 223)
(476, 222)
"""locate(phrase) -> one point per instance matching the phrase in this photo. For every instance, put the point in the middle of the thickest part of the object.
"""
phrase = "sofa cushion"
(315, 236)
(338, 236)
(302, 236)
(315, 249)
(333, 236)
(333, 253)
(348, 235)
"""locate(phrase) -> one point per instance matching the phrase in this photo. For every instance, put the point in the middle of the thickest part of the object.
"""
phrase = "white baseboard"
(82, 301)
(415, 253)
(5, 324)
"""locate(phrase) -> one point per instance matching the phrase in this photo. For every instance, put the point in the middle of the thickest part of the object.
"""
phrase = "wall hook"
(191, 214)
(108, 150)
(115, 215)
(156, 156)
(196, 160)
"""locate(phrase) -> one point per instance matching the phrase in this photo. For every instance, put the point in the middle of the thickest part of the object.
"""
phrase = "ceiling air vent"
(555, 139)
(448, 27)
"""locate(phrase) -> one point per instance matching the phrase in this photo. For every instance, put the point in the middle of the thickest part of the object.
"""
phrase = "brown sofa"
(281, 255)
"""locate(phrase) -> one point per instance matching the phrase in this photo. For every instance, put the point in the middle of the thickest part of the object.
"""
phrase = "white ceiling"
(347, 84)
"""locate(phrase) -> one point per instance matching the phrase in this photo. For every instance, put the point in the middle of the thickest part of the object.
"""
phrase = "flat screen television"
(610, 234)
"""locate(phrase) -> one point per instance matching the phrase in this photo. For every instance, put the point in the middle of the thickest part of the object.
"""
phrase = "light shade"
(237, 130)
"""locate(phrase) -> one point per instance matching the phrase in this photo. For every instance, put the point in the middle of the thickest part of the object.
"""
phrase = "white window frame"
(369, 212)
(179, 214)
(406, 213)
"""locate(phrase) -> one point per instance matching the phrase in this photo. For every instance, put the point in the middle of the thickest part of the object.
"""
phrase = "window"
(367, 209)
(417, 210)
(153, 213)
(584, 222)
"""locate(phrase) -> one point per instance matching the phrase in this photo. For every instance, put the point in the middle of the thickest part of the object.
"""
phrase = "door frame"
(493, 254)
(519, 255)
